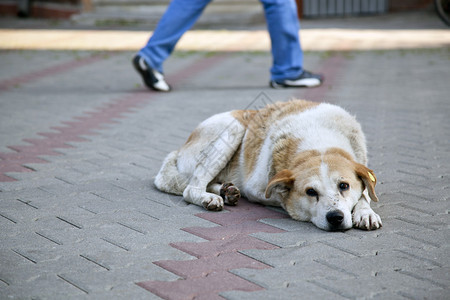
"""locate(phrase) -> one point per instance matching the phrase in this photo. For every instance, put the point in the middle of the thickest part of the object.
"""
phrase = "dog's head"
(322, 188)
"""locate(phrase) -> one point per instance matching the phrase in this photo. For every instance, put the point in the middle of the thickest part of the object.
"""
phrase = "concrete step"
(224, 13)
(165, 2)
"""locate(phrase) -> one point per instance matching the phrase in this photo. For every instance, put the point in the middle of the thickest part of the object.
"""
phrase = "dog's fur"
(306, 157)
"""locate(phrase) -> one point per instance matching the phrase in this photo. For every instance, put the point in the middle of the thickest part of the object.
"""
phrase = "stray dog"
(306, 157)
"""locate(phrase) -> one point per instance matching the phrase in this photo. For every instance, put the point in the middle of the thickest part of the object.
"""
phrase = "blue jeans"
(282, 23)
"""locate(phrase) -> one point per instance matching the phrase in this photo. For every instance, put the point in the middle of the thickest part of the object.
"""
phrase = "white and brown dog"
(306, 157)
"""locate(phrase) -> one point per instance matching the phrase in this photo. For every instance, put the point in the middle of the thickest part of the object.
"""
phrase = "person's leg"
(283, 26)
(178, 18)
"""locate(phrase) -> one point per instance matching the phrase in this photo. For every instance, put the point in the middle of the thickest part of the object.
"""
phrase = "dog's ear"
(368, 178)
(281, 183)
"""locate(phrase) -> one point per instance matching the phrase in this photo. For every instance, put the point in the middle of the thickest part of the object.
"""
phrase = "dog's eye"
(311, 192)
(343, 186)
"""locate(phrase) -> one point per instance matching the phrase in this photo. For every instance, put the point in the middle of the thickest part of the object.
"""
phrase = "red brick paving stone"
(11, 158)
(13, 162)
(13, 165)
(12, 82)
(225, 232)
(49, 143)
(201, 287)
(214, 248)
(53, 137)
(4, 178)
(203, 266)
(218, 255)
(32, 150)
(330, 69)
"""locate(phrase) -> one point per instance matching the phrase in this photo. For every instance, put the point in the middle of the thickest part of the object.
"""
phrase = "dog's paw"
(366, 219)
(212, 202)
(230, 193)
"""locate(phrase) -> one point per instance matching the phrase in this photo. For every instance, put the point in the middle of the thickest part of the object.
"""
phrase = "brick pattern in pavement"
(208, 276)
(89, 224)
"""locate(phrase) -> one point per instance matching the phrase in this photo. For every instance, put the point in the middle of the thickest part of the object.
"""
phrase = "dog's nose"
(335, 217)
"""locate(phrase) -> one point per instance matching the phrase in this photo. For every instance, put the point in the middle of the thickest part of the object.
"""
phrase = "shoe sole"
(306, 84)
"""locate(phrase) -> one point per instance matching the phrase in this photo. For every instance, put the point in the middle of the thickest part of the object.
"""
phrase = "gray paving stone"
(104, 281)
(285, 257)
(363, 286)
(44, 286)
(283, 277)
(301, 290)
(120, 291)
(417, 293)
(299, 233)
(383, 241)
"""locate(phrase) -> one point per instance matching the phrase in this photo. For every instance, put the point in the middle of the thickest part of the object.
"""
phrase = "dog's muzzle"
(335, 219)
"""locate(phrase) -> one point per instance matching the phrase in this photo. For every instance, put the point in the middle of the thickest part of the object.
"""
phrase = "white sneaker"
(151, 77)
(306, 79)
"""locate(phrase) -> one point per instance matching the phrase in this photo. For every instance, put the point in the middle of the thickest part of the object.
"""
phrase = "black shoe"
(306, 79)
(152, 78)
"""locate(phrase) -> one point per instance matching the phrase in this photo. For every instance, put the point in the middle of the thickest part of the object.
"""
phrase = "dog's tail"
(169, 179)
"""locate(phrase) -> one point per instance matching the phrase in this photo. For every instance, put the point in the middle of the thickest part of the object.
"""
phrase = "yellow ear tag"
(371, 176)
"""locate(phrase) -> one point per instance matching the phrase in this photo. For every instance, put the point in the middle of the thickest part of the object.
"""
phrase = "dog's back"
(280, 130)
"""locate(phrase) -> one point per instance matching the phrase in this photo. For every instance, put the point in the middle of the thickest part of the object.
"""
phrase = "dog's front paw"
(366, 219)
(212, 202)
(230, 193)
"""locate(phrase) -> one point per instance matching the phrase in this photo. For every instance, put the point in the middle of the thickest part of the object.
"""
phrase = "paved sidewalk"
(81, 140)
